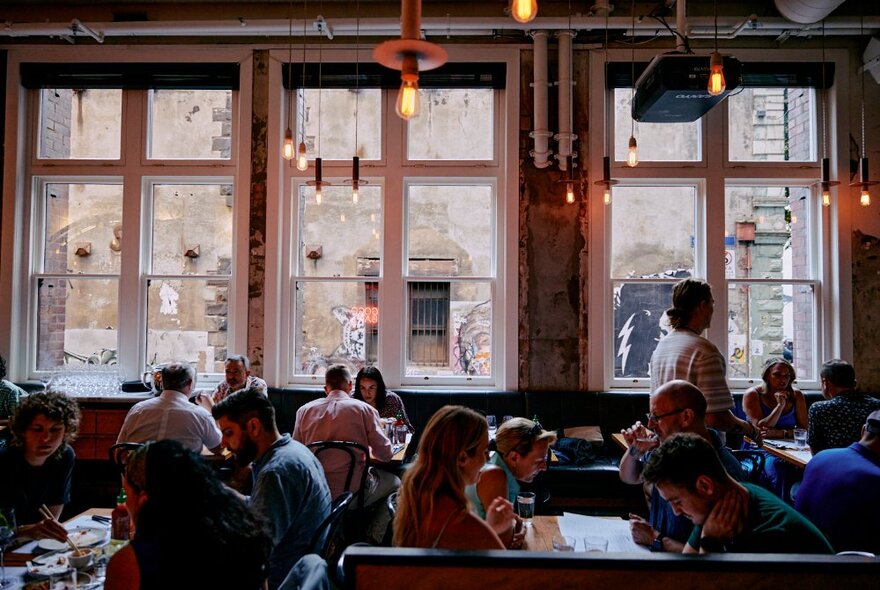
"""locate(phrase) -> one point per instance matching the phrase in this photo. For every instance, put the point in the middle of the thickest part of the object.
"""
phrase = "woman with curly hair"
(369, 387)
(432, 507)
(38, 464)
(188, 524)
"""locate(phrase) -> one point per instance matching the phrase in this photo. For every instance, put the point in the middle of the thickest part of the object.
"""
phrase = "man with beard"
(290, 490)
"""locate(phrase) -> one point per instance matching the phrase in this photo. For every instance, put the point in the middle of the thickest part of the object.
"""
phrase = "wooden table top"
(539, 536)
(798, 457)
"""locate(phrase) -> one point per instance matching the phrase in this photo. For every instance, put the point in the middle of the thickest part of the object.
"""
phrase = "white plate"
(82, 538)
(49, 565)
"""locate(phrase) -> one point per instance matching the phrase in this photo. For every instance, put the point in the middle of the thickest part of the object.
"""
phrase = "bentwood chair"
(324, 536)
(120, 453)
(752, 462)
(357, 454)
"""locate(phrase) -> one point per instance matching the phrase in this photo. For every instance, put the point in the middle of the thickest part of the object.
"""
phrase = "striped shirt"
(682, 354)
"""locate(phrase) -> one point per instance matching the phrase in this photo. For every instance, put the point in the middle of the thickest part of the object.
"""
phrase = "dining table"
(787, 450)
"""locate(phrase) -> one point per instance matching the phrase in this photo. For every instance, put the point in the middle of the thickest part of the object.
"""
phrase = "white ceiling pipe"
(565, 85)
(541, 154)
(769, 26)
(806, 12)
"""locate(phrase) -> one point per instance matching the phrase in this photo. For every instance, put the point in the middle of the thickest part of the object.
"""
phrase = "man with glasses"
(677, 406)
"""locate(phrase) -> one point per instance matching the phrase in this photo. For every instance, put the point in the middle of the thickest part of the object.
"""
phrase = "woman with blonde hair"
(432, 507)
(521, 448)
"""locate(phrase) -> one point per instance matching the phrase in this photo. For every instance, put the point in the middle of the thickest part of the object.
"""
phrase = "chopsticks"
(44, 510)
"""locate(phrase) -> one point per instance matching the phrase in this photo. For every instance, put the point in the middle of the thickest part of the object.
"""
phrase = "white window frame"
(24, 173)
(395, 171)
(831, 257)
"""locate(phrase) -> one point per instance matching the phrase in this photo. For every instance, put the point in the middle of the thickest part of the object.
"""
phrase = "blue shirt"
(291, 493)
(512, 485)
(839, 494)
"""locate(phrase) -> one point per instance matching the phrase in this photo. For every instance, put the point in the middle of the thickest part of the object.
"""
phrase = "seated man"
(339, 417)
(676, 406)
(171, 415)
(728, 516)
(238, 378)
(290, 490)
(836, 422)
(840, 490)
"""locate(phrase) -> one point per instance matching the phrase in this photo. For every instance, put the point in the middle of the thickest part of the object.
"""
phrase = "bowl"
(82, 560)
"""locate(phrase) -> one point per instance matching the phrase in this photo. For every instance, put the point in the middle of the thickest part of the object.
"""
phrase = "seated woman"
(777, 408)
(369, 386)
(187, 525)
(432, 510)
(521, 454)
(38, 463)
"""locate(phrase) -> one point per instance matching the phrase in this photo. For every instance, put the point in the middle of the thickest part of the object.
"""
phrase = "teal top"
(10, 397)
(512, 485)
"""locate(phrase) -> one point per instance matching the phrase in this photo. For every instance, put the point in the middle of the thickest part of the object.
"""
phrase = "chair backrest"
(322, 539)
(752, 462)
(392, 504)
(356, 453)
(120, 453)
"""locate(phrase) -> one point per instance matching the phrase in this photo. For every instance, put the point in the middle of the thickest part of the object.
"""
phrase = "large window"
(406, 276)
(745, 217)
(134, 243)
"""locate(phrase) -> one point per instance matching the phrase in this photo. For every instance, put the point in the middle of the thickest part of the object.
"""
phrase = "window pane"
(186, 320)
(639, 323)
(767, 232)
(772, 125)
(332, 323)
(339, 106)
(652, 230)
(340, 237)
(453, 124)
(190, 124)
(450, 230)
(192, 229)
(80, 124)
(77, 322)
(449, 329)
(771, 321)
(83, 228)
(658, 142)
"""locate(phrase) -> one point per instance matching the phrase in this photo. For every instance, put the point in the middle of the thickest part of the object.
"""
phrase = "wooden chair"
(752, 462)
(356, 453)
(120, 453)
(322, 540)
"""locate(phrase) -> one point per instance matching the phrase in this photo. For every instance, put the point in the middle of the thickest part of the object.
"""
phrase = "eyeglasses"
(658, 417)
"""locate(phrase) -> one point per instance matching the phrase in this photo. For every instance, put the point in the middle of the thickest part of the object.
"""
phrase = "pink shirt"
(339, 417)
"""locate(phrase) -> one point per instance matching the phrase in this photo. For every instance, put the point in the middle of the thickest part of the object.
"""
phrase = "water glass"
(800, 438)
(7, 535)
(596, 544)
(525, 507)
(493, 425)
(563, 543)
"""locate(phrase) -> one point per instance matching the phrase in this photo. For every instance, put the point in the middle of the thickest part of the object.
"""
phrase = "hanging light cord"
(824, 100)
(605, 102)
(303, 79)
(632, 64)
(357, 71)
(715, 11)
(290, 63)
(861, 34)
(320, 75)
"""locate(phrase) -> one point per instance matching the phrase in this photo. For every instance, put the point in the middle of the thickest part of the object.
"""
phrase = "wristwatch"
(657, 543)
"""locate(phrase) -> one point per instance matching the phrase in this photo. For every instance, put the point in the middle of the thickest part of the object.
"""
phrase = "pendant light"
(523, 11)
(302, 160)
(717, 84)
(409, 54)
(632, 154)
(319, 182)
(287, 148)
(607, 182)
(863, 183)
(355, 180)
(826, 183)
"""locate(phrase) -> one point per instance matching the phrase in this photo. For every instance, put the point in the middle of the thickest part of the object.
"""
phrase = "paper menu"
(614, 529)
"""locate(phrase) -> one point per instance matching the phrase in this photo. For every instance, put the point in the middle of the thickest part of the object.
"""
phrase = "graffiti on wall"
(471, 351)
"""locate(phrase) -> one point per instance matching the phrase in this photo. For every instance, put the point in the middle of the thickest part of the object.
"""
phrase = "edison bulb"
(717, 84)
(826, 197)
(569, 193)
(355, 196)
(606, 195)
(632, 156)
(319, 197)
(302, 161)
(408, 99)
(865, 197)
(523, 11)
(287, 150)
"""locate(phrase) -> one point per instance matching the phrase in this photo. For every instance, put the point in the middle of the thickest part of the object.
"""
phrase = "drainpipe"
(566, 88)
(541, 153)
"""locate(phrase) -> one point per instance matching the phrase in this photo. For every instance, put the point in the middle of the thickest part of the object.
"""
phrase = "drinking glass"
(800, 438)
(525, 507)
(7, 534)
(596, 544)
(563, 543)
(493, 425)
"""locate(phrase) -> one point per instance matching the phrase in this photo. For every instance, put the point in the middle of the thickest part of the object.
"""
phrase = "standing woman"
(369, 387)
(191, 531)
(432, 508)
(37, 466)
(776, 407)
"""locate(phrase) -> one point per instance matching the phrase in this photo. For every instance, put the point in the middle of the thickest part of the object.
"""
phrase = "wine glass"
(7, 534)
